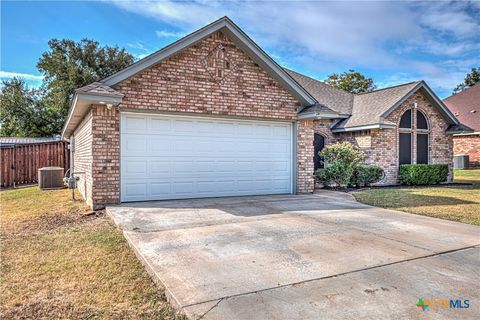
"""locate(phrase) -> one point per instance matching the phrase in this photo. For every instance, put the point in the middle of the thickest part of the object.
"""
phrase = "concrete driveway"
(320, 256)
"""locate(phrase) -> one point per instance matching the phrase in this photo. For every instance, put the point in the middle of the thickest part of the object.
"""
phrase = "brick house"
(213, 115)
(466, 107)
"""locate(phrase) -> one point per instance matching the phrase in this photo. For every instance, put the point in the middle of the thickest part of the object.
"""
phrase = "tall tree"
(351, 81)
(470, 79)
(68, 65)
(22, 113)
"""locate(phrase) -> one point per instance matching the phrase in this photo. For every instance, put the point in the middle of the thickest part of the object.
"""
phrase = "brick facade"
(381, 145)
(305, 178)
(106, 163)
(212, 77)
(215, 77)
(469, 144)
(187, 82)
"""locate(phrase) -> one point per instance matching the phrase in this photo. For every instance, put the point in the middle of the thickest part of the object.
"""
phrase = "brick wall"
(469, 144)
(440, 144)
(381, 145)
(322, 127)
(305, 178)
(106, 163)
(212, 77)
(82, 157)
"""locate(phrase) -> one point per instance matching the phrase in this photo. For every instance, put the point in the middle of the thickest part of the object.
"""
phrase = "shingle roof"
(364, 109)
(368, 107)
(100, 89)
(466, 106)
(337, 100)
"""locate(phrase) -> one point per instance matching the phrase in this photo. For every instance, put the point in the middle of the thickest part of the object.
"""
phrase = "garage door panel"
(160, 189)
(168, 157)
(183, 188)
(136, 167)
(159, 168)
(158, 146)
(184, 126)
(160, 125)
(134, 143)
(133, 190)
(134, 124)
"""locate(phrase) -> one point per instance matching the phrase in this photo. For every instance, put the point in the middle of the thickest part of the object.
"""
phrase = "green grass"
(457, 203)
(58, 263)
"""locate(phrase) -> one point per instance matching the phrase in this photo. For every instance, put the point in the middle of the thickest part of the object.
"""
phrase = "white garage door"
(174, 157)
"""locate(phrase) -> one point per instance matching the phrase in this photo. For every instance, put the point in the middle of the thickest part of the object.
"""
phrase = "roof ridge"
(395, 86)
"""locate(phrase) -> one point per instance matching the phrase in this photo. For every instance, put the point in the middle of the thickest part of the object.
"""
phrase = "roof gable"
(465, 106)
(370, 109)
(239, 37)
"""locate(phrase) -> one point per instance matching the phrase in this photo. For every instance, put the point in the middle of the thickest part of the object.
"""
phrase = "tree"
(470, 79)
(351, 81)
(68, 65)
(22, 113)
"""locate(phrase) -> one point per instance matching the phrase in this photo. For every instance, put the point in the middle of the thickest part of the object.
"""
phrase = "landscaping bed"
(57, 262)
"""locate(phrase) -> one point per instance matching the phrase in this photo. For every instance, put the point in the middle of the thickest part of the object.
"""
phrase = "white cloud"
(141, 50)
(194, 13)
(449, 17)
(25, 76)
(409, 38)
(169, 34)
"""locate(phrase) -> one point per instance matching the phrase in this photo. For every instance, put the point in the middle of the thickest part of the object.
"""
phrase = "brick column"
(106, 160)
(305, 179)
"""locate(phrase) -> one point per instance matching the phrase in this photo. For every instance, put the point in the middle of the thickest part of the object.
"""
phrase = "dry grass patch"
(57, 263)
(457, 203)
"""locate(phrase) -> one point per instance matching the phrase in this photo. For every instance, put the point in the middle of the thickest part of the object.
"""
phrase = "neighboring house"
(466, 107)
(213, 115)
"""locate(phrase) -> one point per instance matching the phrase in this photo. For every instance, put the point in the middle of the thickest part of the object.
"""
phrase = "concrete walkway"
(302, 257)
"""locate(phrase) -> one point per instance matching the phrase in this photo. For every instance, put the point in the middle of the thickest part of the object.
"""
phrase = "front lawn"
(457, 203)
(58, 263)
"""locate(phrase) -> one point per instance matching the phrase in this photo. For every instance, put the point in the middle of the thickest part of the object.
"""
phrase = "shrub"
(340, 161)
(366, 174)
(422, 174)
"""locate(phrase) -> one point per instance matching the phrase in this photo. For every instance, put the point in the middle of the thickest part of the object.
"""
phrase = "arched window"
(410, 130)
(406, 120)
(318, 144)
(422, 138)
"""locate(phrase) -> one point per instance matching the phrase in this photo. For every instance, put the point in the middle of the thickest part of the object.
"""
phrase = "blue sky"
(393, 42)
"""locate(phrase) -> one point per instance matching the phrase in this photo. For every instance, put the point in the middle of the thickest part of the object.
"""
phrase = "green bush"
(422, 174)
(340, 161)
(366, 174)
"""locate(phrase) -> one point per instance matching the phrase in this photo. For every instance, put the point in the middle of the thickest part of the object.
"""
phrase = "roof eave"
(81, 103)
(365, 127)
(471, 133)
(320, 115)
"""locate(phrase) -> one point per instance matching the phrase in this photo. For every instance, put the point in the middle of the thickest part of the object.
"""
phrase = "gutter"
(367, 127)
(320, 115)
(463, 133)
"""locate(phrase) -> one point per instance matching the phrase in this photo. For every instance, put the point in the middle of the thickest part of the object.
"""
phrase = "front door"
(318, 144)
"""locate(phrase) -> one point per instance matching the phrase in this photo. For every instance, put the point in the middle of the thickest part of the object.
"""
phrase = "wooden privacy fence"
(20, 163)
